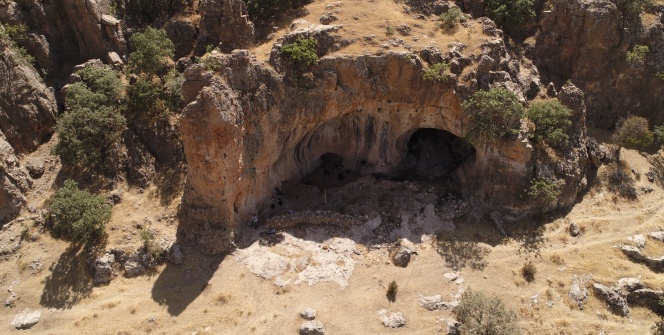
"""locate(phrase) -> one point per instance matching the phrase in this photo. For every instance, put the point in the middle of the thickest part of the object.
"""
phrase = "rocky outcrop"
(586, 41)
(251, 128)
(225, 23)
(27, 106)
(66, 31)
(14, 182)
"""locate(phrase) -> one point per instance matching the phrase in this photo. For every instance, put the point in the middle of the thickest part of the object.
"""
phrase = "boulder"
(102, 268)
(174, 254)
(614, 298)
(134, 266)
(392, 320)
(573, 229)
(657, 235)
(308, 314)
(26, 319)
(433, 303)
(400, 254)
(312, 328)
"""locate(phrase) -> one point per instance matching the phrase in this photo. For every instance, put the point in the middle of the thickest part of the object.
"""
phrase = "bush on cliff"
(152, 53)
(493, 114)
(633, 133)
(479, 314)
(302, 52)
(552, 122)
(510, 12)
(263, 10)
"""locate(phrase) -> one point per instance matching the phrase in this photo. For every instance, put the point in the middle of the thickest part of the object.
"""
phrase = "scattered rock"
(453, 327)
(328, 18)
(26, 319)
(134, 266)
(657, 235)
(400, 254)
(629, 284)
(403, 29)
(647, 189)
(639, 240)
(35, 167)
(312, 328)
(393, 320)
(174, 254)
(103, 268)
(431, 303)
(648, 298)
(308, 314)
(578, 291)
(617, 301)
(574, 229)
(452, 276)
(115, 197)
(11, 299)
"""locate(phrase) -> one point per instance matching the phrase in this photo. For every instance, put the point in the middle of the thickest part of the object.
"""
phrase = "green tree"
(144, 97)
(543, 190)
(302, 52)
(552, 122)
(511, 12)
(482, 315)
(152, 53)
(87, 135)
(633, 133)
(450, 19)
(263, 10)
(493, 114)
(658, 134)
(77, 214)
(99, 86)
(11, 36)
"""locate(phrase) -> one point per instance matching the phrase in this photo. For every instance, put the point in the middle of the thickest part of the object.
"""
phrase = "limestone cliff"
(249, 128)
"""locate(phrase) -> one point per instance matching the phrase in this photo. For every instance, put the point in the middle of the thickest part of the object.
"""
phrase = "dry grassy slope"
(208, 295)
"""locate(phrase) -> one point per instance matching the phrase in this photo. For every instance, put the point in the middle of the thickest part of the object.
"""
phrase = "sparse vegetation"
(263, 10)
(479, 314)
(621, 181)
(657, 162)
(634, 6)
(451, 18)
(528, 272)
(392, 290)
(637, 57)
(552, 122)
(11, 36)
(658, 135)
(511, 12)
(437, 72)
(77, 214)
(152, 250)
(389, 29)
(544, 190)
(493, 114)
(302, 52)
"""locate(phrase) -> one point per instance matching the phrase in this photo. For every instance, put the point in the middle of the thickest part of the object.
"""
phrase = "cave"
(434, 154)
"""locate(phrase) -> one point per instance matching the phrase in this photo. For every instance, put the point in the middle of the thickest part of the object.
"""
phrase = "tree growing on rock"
(511, 12)
(152, 53)
(552, 122)
(493, 114)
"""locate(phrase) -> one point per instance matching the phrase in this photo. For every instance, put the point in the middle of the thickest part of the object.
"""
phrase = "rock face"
(103, 268)
(14, 182)
(225, 23)
(587, 41)
(27, 106)
(67, 30)
(251, 128)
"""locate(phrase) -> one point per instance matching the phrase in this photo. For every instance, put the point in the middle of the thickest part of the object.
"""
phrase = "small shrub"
(479, 314)
(389, 30)
(174, 91)
(302, 52)
(450, 19)
(11, 36)
(637, 57)
(544, 190)
(633, 133)
(512, 12)
(658, 135)
(494, 113)
(77, 214)
(263, 10)
(660, 75)
(152, 53)
(621, 181)
(392, 290)
(152, 250)
(437, 72)
(528, 272)
(552, 121)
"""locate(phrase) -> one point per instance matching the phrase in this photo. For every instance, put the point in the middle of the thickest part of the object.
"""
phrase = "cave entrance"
(434, 155)
(330, 173)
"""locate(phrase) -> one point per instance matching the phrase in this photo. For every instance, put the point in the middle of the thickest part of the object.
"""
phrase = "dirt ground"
(342, 273)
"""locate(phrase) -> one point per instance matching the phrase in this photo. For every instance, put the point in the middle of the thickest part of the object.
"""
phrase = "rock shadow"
(179, 285)
(70, 280)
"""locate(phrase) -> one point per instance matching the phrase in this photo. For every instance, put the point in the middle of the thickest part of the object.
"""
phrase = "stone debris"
(328, 18)
(431, 303)
(393, 320)
(613, 297)
(578, 291)
(401, 252)
(102, 268)
(26, 319)
(657, 235)
(134, 266)
(639, 240)
(635, 254)
(11, 299)
(574, 229)
(308, 314)
(312, 328)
